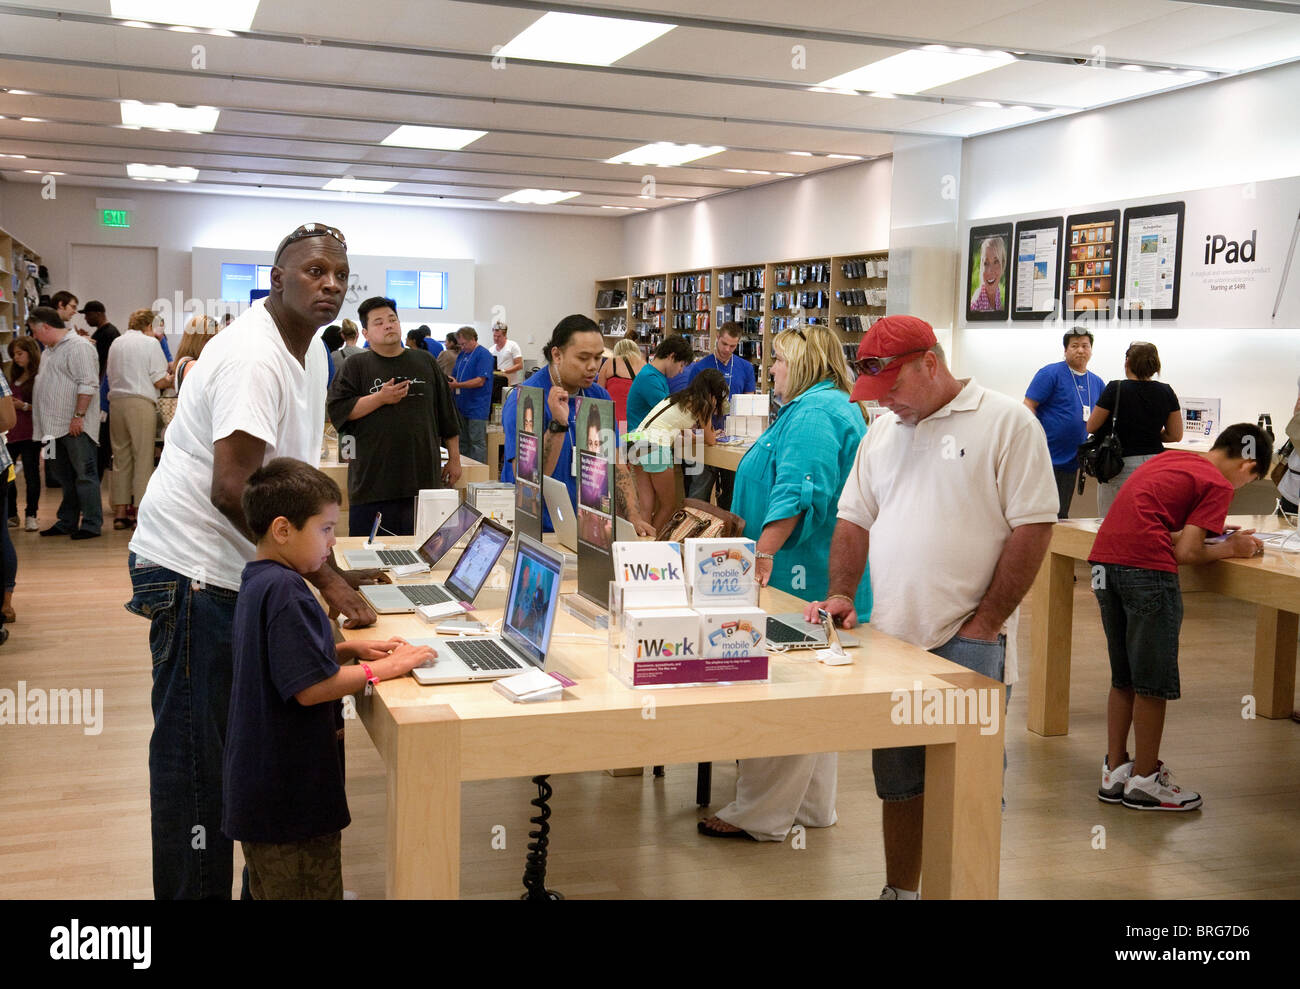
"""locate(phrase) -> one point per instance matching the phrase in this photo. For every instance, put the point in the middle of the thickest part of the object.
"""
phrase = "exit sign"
(116, 218)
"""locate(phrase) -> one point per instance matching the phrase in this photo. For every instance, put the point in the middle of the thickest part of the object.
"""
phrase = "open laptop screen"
(472, 569)
(534, 596)
(448, 534)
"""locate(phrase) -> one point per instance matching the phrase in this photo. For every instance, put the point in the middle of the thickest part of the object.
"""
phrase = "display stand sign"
(596, 464)
(528, 462)
(1201, 420)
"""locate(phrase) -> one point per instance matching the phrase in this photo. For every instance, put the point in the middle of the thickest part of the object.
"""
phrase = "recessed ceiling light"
(169, 116)
(847, 157)
(33, 120)
(756, 171)
(21, 92)
(885, 96)
(801, 154)
(665, 154)
(737, 171)
(1132, 68)
(788, 175)
(181, 173)
(13, 156)
(918, 70)
(357, 185)
(537, 197)
(234, 15)
(1189, 74)
(135, 24)
(581, 39)
(221, 32)
(433, 138)
(618, 207)
(988, 104)
(183, 28)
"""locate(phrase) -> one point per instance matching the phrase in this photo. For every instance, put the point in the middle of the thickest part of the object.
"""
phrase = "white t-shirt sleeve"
(157, 361)
(1026, 483)
(246, 396)
(857, 501)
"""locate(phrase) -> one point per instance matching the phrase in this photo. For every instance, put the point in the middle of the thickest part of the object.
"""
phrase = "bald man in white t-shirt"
(951, 501)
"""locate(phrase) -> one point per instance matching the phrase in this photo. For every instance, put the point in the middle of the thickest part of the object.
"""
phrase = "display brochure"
(528, 462)
(649, 574)
(597, 466)
(721, 572)
(1151, 266)
(1091, 259)
(1037, 270)
(987, 277)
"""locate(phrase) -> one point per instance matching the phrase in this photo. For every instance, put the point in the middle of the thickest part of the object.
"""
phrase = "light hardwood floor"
(74, 808)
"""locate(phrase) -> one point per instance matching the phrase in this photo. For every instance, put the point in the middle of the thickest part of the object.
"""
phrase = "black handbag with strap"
(1102, 457)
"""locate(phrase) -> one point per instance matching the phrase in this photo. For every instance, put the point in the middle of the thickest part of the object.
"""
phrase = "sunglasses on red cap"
(871, 366)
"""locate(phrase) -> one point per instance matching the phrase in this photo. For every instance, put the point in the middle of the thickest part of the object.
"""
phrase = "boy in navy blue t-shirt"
(283, 762)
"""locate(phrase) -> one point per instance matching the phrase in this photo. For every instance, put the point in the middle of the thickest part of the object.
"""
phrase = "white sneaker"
(1158, 792)
(32, 525)
(894, 893)
(1113, 780)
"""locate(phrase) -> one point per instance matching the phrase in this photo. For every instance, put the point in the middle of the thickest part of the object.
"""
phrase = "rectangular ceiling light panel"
(581, 39)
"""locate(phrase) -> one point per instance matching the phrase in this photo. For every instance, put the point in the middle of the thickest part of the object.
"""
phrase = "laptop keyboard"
(396, 557)
(419, 594)
(483, 656)
(782, 633)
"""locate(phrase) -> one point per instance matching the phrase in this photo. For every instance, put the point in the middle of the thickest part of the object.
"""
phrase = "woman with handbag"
(1148, 416)
(787, 490)
(137, 372)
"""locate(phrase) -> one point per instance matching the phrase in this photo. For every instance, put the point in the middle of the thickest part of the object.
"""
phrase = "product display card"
(597, 465)
(987, 275)
(528, 462)
(650, 574)
(1201, 418)
(433, 506)
(721, 571)
(1151, 266)
(1037, 270)
(493, 499)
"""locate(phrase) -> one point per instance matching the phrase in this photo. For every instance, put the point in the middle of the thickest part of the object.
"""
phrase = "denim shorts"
(900, 772)
(1141, 613)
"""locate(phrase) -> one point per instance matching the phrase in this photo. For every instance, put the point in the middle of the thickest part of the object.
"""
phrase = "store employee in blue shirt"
(1062, 395)
(573, 362)
(739, 374)
(472, 387)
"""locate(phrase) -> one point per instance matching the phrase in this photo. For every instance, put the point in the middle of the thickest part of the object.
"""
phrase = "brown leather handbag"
(698, 519)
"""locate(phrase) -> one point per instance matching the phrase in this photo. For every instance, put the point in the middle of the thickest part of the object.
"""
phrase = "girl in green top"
(788, 491)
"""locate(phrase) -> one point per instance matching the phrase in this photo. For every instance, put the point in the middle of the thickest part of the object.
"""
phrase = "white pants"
(774, 794)
(1107, 491)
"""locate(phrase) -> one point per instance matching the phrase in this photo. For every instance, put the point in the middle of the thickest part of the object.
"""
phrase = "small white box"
(661, 647)
(721, 572)
(734, 644)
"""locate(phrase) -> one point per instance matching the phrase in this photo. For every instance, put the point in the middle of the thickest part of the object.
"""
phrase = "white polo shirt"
(135, 362)
(246, 382)
(940, 499)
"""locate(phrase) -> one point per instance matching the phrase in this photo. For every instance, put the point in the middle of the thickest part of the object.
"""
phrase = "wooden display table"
(726, 457)
(434, 738)
(1271, 581)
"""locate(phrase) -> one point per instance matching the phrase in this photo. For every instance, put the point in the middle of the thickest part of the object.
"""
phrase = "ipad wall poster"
(597, 467)
(1036, 271)
(988, 273)
(1091, 262)
(528, 462)
(1151, 267)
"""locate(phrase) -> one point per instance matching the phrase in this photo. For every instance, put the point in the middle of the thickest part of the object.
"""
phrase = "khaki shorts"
(296, 870)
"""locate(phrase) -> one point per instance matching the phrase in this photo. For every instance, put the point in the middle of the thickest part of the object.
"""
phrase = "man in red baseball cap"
(953, 499)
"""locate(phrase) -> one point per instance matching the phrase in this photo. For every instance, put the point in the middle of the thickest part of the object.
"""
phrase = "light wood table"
(434, 738)
(470, 471)
(1272, 582)
(727, 457)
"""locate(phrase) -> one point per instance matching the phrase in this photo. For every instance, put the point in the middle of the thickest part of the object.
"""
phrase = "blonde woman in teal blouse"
(787, 491)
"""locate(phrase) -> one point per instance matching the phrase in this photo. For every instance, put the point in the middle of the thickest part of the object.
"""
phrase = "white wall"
(1239, 130)
(540, 268)
(840, 211)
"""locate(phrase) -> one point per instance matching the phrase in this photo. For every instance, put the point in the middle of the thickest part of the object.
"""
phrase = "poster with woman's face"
(988, 273)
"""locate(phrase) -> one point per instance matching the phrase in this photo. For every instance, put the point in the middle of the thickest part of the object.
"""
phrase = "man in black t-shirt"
(103, 335)
(392, 409)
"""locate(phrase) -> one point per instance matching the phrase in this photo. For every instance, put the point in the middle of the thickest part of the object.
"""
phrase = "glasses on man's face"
(871, 366)
(312, 230)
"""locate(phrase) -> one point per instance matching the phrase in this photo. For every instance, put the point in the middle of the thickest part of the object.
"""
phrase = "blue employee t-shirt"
(282, 769)
(475, 403)
(650, 387)
(433, 346)
(738, 373)
(1062, 397)
(541, 378)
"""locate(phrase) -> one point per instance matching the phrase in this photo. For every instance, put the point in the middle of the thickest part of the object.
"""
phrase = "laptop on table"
(434, 548)
(565, 522)
(525, 630)
(463, 584)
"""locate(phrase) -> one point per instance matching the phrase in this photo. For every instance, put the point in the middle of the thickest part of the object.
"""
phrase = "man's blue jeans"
(190, 641)
(74, 467)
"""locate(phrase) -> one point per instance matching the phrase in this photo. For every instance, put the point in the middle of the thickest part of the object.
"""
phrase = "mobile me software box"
(661, 647)
(721, 572)
(735, 649)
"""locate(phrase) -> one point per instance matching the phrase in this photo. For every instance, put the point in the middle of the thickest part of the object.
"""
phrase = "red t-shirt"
(1165, 494)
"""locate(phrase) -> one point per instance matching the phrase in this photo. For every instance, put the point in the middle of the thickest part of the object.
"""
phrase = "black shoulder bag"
(1102, 457)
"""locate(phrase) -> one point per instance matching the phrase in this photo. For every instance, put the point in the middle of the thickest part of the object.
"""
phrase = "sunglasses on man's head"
(312, 230)
(871, 366)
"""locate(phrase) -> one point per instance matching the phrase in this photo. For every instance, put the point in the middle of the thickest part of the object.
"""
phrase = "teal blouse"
(798, 467)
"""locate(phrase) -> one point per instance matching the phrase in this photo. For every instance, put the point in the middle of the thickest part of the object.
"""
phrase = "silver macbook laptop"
(789, 631)
(525, 630)
(565, 522)
(434, 549)
(464, 582)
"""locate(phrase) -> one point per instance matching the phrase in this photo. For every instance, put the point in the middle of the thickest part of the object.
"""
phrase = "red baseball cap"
(892, 336)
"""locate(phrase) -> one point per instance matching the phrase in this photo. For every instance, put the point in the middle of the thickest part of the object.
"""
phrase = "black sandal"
(704, 829)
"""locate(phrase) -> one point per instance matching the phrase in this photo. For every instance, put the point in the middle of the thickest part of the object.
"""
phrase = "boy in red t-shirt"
(1159, 521)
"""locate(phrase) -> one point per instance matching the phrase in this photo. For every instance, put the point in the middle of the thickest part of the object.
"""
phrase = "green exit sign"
(116, 218)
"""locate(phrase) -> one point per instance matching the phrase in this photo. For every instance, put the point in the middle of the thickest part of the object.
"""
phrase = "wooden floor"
(74, 808)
